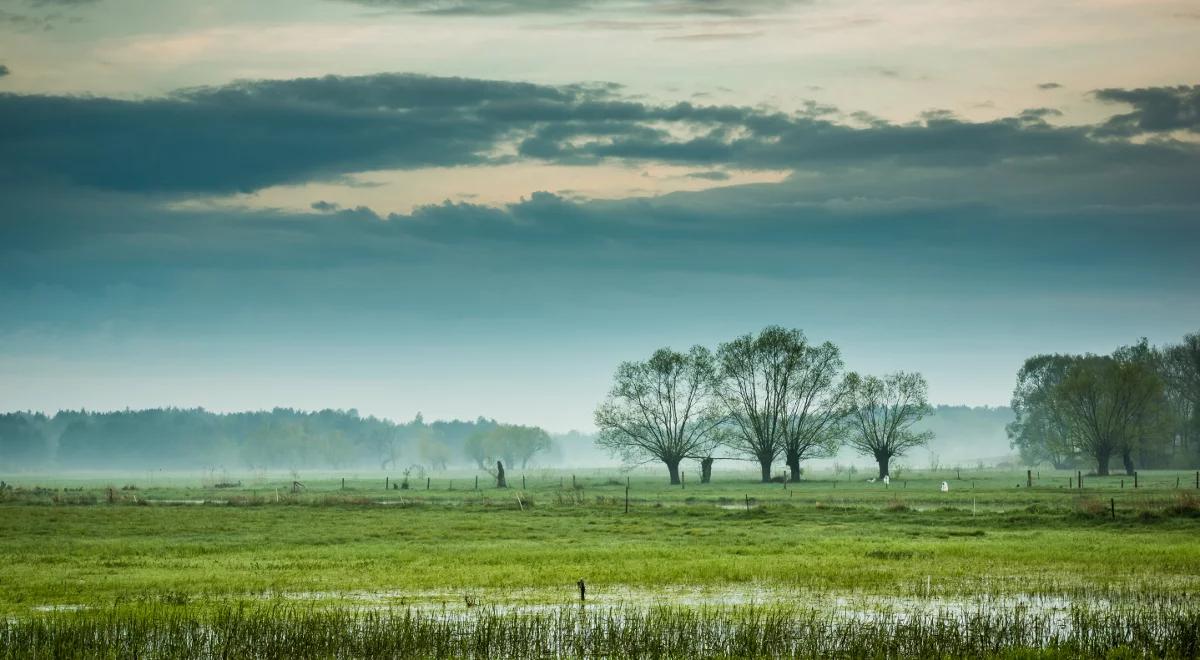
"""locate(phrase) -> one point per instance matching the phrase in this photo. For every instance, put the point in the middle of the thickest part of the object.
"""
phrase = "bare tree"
(883, 411)
(817, 408)
(756, 386)
(662, 409)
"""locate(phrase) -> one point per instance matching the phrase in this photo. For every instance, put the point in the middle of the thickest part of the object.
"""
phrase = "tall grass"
(289, 631)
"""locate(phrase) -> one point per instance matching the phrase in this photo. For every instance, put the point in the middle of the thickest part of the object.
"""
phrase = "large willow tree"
(818, 407)
(757, 380)
(1040, 430)
(663, 409)
(883, 412)
(1111, 404)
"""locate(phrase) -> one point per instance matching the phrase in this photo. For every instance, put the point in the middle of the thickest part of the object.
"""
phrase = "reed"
(1170, 630)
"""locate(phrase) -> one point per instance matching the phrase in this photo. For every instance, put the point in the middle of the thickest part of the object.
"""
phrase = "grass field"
(76, 546)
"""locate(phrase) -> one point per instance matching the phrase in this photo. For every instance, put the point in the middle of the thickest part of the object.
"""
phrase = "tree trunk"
(1102, 464)
(1127, 459)
(793, 464)
(673, 468)
(883, 460)
(706, 469)
(766, 470)
(500, 483)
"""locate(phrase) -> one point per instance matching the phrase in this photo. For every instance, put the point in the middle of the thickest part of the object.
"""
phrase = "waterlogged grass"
(98, 554)
(968, 572)
(591, 632)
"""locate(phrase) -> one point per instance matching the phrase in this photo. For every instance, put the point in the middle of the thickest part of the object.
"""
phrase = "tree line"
(760, 398)
(1139, 405)
(173, 438)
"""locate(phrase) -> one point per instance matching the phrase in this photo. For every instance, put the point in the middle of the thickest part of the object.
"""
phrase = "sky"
(481, 207)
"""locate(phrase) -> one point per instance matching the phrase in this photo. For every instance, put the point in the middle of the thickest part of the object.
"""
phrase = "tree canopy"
(663, 409)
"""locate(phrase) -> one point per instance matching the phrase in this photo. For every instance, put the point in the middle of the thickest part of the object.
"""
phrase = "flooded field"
(812, 571)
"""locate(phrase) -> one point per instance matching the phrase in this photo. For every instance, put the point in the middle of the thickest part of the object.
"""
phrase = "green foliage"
(1111, 405)
(1138, 404)
(883, 412)
(1041, 431)
(663, 409)
(511, 443)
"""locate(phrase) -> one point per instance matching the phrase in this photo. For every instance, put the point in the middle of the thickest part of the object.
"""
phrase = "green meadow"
(75, 548)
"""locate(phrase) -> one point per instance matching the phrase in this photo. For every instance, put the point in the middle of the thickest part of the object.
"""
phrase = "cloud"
(710, 175)
(1049, 85)
(245, 136)
(520, 7)
(249, 135)
(714, 36)
(4, 71)
(324, 206)
(1155, 110)
(85, 262)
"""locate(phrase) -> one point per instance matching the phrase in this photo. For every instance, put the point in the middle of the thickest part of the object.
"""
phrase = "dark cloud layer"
(86, 262)
(910, 222)
(248, 135)
(4, 71)
(1155, 110)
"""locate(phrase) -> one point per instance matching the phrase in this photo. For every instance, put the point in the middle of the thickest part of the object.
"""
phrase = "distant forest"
(192, 439)
(175, 439)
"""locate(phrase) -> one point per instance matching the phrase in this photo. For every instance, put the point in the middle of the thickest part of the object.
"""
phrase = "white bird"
(887, 479)
(945, 487)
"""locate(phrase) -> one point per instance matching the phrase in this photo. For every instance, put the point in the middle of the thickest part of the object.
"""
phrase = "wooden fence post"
(1135, 479)
(1029, 478)
(1112, 507)
(385, 483)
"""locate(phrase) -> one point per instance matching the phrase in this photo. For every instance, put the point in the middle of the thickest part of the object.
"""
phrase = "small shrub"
(1186, 505)
(897, 505)
(1092, 506)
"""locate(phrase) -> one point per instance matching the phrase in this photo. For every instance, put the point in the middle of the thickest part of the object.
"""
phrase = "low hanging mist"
(283, 438)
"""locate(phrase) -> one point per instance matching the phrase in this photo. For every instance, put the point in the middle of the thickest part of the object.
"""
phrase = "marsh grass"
(320, 569)
(578, 632)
